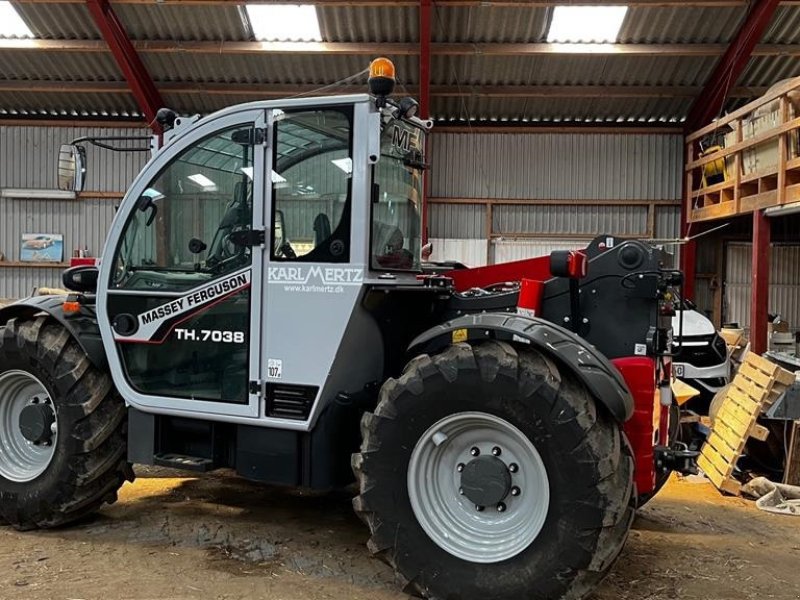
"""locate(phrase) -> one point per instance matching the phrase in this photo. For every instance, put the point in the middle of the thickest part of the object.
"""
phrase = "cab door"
(182, 317)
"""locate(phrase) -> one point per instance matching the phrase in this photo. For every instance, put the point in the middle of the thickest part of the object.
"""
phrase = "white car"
(702, 358)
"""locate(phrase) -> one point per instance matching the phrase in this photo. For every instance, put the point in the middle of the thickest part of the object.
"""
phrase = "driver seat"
(322, 229)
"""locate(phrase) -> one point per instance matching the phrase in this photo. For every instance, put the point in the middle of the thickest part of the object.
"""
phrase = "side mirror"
(71, 167)
(569, 263)
(277, 231)
(81, 279)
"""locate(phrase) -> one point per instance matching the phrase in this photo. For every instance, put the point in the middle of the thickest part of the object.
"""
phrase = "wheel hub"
(28, 426)
(486, 480)
(478, 487)
(36, 423)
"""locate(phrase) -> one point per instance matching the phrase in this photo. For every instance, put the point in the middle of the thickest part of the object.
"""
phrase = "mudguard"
(602, 379)
(83, 327)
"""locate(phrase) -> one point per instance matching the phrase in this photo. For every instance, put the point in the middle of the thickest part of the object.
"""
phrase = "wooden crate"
(757, 384)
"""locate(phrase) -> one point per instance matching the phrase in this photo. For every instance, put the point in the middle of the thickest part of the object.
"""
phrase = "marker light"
(71, 307)
(381, 77)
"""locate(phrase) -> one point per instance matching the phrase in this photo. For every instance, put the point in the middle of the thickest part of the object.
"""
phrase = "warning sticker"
(274, 368)
(460, 335)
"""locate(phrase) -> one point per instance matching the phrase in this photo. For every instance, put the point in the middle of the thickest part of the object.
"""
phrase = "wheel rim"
(439, 464)
(21, 459)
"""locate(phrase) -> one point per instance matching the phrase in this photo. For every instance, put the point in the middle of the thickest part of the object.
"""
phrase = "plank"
(735, 411)
(756, 375)
(775, 372)
(721, 448)
(759, 432)
(733, 437)
(723, 483)
(710, 470)
(742, 400)
(748, 389)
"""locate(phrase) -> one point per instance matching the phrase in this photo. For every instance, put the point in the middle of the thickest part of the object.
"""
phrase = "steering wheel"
(286, 250)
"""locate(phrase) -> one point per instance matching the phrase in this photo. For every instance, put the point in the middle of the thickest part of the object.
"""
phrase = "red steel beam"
(730, 67)
(425, 93)
(129, 62)
(759, 293)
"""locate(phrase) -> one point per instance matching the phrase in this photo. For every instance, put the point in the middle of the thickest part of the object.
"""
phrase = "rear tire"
(89, 461)
(588, 463)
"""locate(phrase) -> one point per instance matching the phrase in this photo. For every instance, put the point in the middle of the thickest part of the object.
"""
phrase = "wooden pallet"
(757, 384)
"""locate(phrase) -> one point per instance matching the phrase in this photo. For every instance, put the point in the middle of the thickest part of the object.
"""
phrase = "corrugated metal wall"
(29, 157)
(784, 283)
(556, 166)
(524, 175)
(628, 168)
(28, 160)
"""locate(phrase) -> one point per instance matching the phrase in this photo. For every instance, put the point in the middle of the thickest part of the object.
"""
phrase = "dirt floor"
(227, 539)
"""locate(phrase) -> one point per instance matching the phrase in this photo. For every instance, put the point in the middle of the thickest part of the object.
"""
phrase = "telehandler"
(261, 304)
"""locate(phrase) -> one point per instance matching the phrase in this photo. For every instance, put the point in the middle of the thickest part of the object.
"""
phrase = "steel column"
(129, 62)
(759, 299)
(425, 94)
(711, 100)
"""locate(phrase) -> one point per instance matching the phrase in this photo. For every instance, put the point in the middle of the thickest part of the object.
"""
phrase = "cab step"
(184, 462)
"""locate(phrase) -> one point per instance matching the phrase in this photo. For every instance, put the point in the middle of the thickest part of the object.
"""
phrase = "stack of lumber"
(757, 384)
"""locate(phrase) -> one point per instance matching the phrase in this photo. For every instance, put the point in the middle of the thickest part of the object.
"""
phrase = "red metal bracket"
(730, 67)
(129, 62)
(425, 93)
(759, 296)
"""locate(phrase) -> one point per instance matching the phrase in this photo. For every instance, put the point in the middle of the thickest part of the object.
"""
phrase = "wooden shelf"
(717, 187)
(8, 264)
(762, 139)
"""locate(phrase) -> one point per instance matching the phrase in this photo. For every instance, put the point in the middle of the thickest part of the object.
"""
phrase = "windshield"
(397, 197)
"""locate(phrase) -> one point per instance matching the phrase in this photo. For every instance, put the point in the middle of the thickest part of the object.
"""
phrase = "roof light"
(11, 24)
(204, 182)
(284, 23)
(586, 23)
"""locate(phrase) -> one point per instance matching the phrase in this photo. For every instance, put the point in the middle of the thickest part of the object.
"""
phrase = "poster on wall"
(42, 247)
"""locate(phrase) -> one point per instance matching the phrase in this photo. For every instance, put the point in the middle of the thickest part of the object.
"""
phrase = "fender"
(83, 327)
(599, 375)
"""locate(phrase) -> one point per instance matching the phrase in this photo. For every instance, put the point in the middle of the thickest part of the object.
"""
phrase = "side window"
(312, 172)
(184, 231)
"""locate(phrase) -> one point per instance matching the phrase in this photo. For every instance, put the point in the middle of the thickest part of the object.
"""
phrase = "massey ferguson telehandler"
(261, 304)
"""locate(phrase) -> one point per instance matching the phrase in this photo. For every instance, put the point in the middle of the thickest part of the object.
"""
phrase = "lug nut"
(513, 467)
(496, 451)
(515, 491)
(479, 508)
(501, 507)
(460, 467)
(475, 451)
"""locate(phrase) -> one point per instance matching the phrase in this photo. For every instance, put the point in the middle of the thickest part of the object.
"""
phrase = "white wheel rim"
(452, 520)
(20, 459)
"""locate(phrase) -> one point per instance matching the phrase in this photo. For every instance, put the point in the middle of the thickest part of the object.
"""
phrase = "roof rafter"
(115, 36)
(711, 100)
(281, 90)
(396, 49)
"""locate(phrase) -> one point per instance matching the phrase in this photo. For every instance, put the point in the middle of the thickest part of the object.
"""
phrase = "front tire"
(87, 463)
(483, 398)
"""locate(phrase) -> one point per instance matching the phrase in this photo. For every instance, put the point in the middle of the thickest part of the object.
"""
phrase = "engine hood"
(694, 324)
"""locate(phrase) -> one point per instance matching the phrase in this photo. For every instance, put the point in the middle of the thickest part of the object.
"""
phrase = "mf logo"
(401, 138)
